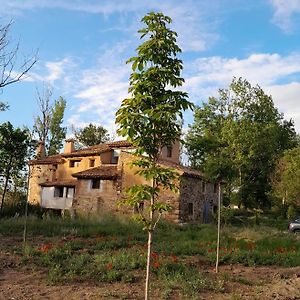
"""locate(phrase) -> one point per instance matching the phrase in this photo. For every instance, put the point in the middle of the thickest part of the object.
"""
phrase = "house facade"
(92, 180)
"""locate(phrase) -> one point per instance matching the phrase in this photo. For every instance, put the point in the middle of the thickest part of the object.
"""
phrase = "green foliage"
(286, 178)
(14, 150)
(48, 126)
(238, 137)
(91, 135)
(291, 212)
(57, 132)
(151, 117)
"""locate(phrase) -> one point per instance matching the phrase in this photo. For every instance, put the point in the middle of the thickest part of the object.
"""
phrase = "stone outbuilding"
(93, 179)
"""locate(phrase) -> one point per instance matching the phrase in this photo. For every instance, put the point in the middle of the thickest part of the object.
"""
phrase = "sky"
(83, 46)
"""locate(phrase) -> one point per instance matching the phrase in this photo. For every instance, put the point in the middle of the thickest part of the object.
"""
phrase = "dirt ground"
(19, 282)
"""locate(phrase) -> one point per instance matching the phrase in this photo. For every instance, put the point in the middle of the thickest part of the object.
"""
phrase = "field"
(105, 258)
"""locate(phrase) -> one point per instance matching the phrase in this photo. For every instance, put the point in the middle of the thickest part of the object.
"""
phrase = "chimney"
(69, 146)
(40, 150)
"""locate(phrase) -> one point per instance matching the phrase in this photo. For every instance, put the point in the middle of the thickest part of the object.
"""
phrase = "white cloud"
(262, 68)
(284, 11)
(185, 15)
(287, 97)
(207, 75)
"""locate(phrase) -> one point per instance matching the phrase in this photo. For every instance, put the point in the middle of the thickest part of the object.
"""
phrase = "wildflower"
(109, 266)
(45, 248)
(156, 264)
(174, 258)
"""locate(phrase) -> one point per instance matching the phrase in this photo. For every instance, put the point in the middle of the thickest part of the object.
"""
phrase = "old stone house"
(92, 180)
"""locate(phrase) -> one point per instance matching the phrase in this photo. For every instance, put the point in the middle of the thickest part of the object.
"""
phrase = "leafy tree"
(48, 126)
(286, 178)
(150, 118)
(14, 148)
(238, 137)
(57, 132)
(91, 135)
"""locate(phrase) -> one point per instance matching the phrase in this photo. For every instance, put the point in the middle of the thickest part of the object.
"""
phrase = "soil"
(19, 282)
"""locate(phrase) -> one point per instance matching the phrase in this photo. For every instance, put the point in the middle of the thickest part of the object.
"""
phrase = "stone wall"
(91, 201)
(38, 174)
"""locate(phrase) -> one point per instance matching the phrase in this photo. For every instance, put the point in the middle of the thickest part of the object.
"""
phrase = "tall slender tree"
(48, 125)
(14, 148)
(150, 118)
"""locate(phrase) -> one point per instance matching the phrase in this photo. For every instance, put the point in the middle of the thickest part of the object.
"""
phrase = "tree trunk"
(6, 184)
(219, 228)
(150, 233)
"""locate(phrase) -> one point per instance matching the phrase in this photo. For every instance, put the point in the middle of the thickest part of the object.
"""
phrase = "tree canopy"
(238, 136)
(91, 135)
(286, 178)
(14, 148)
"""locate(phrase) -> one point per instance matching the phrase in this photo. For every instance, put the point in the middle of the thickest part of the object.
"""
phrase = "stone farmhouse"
(93, 179)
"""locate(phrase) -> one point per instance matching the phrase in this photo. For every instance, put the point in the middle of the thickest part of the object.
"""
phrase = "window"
(115, 156)
(216, 188)
(70, 192)
(59, 191)
(139, 207)
(96, 184)
(203, 186)
(74, 163)
(92, 163)
(191, 209)
(169, 151)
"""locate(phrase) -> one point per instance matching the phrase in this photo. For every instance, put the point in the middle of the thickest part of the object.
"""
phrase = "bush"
(291, 212)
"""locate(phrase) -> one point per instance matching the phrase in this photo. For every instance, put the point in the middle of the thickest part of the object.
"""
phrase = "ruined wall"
(91, 201)
(197, 200)
(38, 174)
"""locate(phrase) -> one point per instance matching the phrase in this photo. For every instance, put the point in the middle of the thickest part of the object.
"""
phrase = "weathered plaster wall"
(38, 174)
(90, 201)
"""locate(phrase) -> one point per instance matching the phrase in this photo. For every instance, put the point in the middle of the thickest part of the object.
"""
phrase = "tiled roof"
(60, 183)
(48, 160)
(102, 172)
(98, 149)
(185, 171)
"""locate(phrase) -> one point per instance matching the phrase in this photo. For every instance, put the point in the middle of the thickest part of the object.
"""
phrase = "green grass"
(109, 249)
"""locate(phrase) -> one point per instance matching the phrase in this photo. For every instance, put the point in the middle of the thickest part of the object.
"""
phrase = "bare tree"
(42, 123)
(10, 70)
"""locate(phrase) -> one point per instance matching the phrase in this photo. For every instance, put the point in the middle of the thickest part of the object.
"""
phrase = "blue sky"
(83, 46)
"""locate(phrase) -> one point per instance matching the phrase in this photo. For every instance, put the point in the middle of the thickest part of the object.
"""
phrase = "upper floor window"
(96, 184)
(74, 163)
(115, 156)
(203, 186)
(169, 151)
(216, 188)
(92, 163)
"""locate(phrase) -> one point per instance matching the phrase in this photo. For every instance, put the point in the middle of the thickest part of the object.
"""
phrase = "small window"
(70, 192)
(74, 163)
(92, 163)
(58, 191)
(203, 186)
(216, 188)
(169, 151)
(139, 207)
(191, 209)
(96, 184)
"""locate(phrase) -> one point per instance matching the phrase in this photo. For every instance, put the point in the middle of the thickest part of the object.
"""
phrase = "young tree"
(91, 135)
(150, 118)
(238, 137)
(14, 148)
(48, 126)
